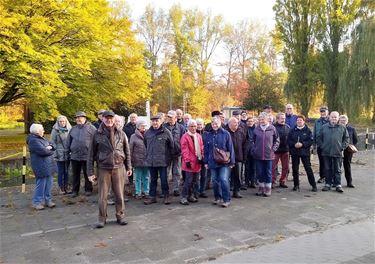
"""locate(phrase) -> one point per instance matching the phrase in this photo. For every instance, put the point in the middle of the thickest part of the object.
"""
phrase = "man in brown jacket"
(110, 150)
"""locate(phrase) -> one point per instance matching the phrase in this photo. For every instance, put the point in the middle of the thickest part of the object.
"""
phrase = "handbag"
(221, 156)
(351, 149)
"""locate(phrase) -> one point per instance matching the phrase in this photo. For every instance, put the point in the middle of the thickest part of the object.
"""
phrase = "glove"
(188, 165)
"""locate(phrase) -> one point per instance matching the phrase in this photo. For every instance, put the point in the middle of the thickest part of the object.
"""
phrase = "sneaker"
(121, 221)
(225, 205)
(38, 207)
(216, 202)
(321, 180)
(267, 192)
(260, 191)
(150, 200)
(110, 202)
(62, 191)
(184, 201)
(138, 196)
(237, 195)
(326, 188)
(50, 204)
(167, 200)
(99, 224)
(176, 193)
(295, 188)
(252, 185)
(126, 200)
(283, 185)
(339, 189)
(334, 185)
(192, 199)
(350, 185)
(314, 189)
(203, 195)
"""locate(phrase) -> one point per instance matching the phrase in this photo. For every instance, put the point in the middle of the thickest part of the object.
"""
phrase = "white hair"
(191, 122)
(263, 115)
(140, 123)
(36, 128)
(200, 121)
(122, 121)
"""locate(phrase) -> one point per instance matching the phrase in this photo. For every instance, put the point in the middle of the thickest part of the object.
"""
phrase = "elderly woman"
(204, 178)
(59, 137)
(219, 140)
(138, 157)
(43, 165)
(265, 143)
(192, 156)
(353, 140)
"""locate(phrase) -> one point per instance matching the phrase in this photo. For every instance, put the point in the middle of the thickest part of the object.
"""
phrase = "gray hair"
(263, 115)
(191, 122)
(35, 128)
(280, 114)
(200, 121)
(140, 123)
(335, 113)
(68, 125)
(344, 117)
(122, 121)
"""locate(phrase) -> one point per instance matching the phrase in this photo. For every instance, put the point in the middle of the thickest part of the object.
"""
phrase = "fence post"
(366, 140)
(24, 170)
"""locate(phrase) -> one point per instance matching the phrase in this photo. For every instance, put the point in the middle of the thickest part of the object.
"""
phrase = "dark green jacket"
(333, 139)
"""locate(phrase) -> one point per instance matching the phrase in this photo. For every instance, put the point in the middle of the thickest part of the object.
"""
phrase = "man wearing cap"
(130, 127)
(100, 117)
(110, 149)
(177, 131)
(159, 150)
(317, 127)
(78, 142)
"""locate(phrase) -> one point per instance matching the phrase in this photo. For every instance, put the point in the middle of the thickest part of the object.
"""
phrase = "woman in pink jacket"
(192, 157)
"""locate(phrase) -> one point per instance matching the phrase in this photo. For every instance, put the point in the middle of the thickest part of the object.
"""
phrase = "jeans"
(284, 157)
(154, 171)
(307, 165)
(236, 176)
(347, 167)
(175, 170)
(77, 166)
(200, 186)
(63, 173)
(189, 183)
(220, 179)
(264, 171)
(332, 170)
(43, 187)
(250, 170)
(142, 177)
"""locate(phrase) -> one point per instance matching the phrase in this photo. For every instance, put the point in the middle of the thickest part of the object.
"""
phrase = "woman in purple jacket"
(265, 143)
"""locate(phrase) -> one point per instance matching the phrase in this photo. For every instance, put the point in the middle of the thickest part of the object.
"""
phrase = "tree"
(337, 16)
(297, 24)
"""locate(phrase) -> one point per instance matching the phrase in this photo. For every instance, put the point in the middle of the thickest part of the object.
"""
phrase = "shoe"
(203, 195)
(225, 205)
(243, 187)
(167, 200)
(216, 202)
(38, 207)
(176, 193)
(138, 196)
(99, 224)
(334, 185)
(350, 186)
(51, 204)
(314, 189)
(74, 195)
(150, 200)
(326, 188)
(62, 191)
(184, 201)
(161, 196)
(295, 188)
(121, 221)
(260, 191)
(339, 189)
(110, 202)
(283, 185)
(252, 185)
(267, 192)
(126, 200)
(192, 199)
(237, 195)
(321, 180)
(88, 193)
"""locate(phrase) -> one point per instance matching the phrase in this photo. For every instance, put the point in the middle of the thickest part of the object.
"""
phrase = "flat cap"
(154, 117)
(267, 107)
(108, 113)
(236, 112)
(80, 113)
(171, 113)
(323, 108)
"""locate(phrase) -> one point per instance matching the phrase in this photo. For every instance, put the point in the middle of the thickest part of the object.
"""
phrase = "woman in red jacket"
(192, 157)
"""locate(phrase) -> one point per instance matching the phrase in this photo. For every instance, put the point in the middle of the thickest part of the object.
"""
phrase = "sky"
(232, 10)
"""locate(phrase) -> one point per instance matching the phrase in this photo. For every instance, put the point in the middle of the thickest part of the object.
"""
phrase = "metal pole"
(24, 170)
(366, 141)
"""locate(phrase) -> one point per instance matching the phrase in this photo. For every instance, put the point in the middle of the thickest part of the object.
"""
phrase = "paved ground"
(199, 232)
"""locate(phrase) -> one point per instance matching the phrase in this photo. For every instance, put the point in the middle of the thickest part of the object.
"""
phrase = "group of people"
(188, 155)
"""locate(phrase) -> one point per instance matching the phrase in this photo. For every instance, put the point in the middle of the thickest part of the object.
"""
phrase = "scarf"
(264, 127)
(197, 147)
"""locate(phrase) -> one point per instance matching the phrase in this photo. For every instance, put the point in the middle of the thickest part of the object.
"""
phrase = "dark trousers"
(236, 176)
(250, 175)
(321, 163)
(200, 185)
(189, 183)
(77, 166)
(307, 165)
(63, 174)
(347, 167)
(332, 170)
(154, 173)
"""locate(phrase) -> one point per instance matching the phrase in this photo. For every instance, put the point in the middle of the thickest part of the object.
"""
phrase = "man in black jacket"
(130, 127)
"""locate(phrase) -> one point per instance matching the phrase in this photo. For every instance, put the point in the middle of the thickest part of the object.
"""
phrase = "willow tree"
(297, 24)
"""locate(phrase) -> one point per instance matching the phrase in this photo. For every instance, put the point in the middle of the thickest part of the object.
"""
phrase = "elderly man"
(110, 149)
(239, 145)
(179, 115)
(268, 110)
(282, 152)
(100, 117)
(177, 131)
(130, 127)
(159, 150)
(186, 117)
(317, 127)
(78, 143)
(290, 118)
(333, 139)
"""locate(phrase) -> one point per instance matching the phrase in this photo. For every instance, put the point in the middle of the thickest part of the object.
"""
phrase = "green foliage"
(64, 56)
